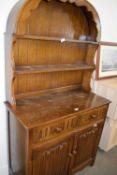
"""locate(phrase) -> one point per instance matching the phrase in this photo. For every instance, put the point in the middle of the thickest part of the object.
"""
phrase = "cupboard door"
(53, 160)
(85, 146)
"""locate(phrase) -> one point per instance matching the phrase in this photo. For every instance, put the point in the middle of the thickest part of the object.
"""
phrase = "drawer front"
(89, 117)
(103, 112)
(93, 116)
(55, 129)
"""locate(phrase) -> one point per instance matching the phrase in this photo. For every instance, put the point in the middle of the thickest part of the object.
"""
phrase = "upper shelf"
(52, 68)
(36, 37)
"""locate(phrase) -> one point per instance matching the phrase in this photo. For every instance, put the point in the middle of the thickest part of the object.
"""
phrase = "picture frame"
(106, 60)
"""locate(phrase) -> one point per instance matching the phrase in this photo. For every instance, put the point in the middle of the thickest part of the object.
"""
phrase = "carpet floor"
(105, 164)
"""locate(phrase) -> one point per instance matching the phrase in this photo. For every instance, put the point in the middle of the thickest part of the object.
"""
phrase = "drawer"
(55, 129)
(89, 117)
(40, 134)
(93, 116)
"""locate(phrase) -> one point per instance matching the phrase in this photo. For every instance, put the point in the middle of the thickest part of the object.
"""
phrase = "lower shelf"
(52, 68)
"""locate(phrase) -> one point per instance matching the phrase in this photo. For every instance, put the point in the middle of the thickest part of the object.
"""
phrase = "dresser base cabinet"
(63, 154)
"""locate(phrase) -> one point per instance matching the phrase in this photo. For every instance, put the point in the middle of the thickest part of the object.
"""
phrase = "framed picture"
(106, 60)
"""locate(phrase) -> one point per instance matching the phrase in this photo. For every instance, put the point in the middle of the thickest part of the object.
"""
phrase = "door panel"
(53, 160)
(85, 145)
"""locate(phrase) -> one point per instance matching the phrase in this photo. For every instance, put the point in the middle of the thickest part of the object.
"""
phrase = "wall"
(5, 8)
(107, 12)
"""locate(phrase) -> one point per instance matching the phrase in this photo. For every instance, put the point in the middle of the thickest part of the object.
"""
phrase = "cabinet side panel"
(8, 69)
(17, 146)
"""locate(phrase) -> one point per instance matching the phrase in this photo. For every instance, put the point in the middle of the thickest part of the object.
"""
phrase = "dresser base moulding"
(89, 162)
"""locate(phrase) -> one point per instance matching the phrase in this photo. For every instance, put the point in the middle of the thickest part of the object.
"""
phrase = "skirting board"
(109, 135)
(4, 170)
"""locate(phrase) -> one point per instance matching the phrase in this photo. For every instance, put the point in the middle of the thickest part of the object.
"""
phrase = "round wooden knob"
(70, 155)
(58, 129)
(94, 116)
(74, 152)
(93, 132)
(61, 146)
(95, 125)
(76, 109)
(48, 152)
(85, 135)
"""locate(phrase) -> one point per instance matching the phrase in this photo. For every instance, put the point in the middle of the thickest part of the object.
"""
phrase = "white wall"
(5, 8)
(107, 12)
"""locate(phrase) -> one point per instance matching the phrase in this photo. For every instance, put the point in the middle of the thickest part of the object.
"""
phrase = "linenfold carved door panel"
(53, 160)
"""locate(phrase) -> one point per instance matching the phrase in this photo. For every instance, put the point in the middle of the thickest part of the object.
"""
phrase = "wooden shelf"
(52, 68)
(62, 40)
(27, 95)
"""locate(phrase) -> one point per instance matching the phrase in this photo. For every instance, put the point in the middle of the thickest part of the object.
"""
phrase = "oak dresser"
(55, 121)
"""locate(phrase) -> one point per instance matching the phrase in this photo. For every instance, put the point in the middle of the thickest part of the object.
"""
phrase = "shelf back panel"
(57, 19)
(63, 24)
(31, 52)
(43, 81)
